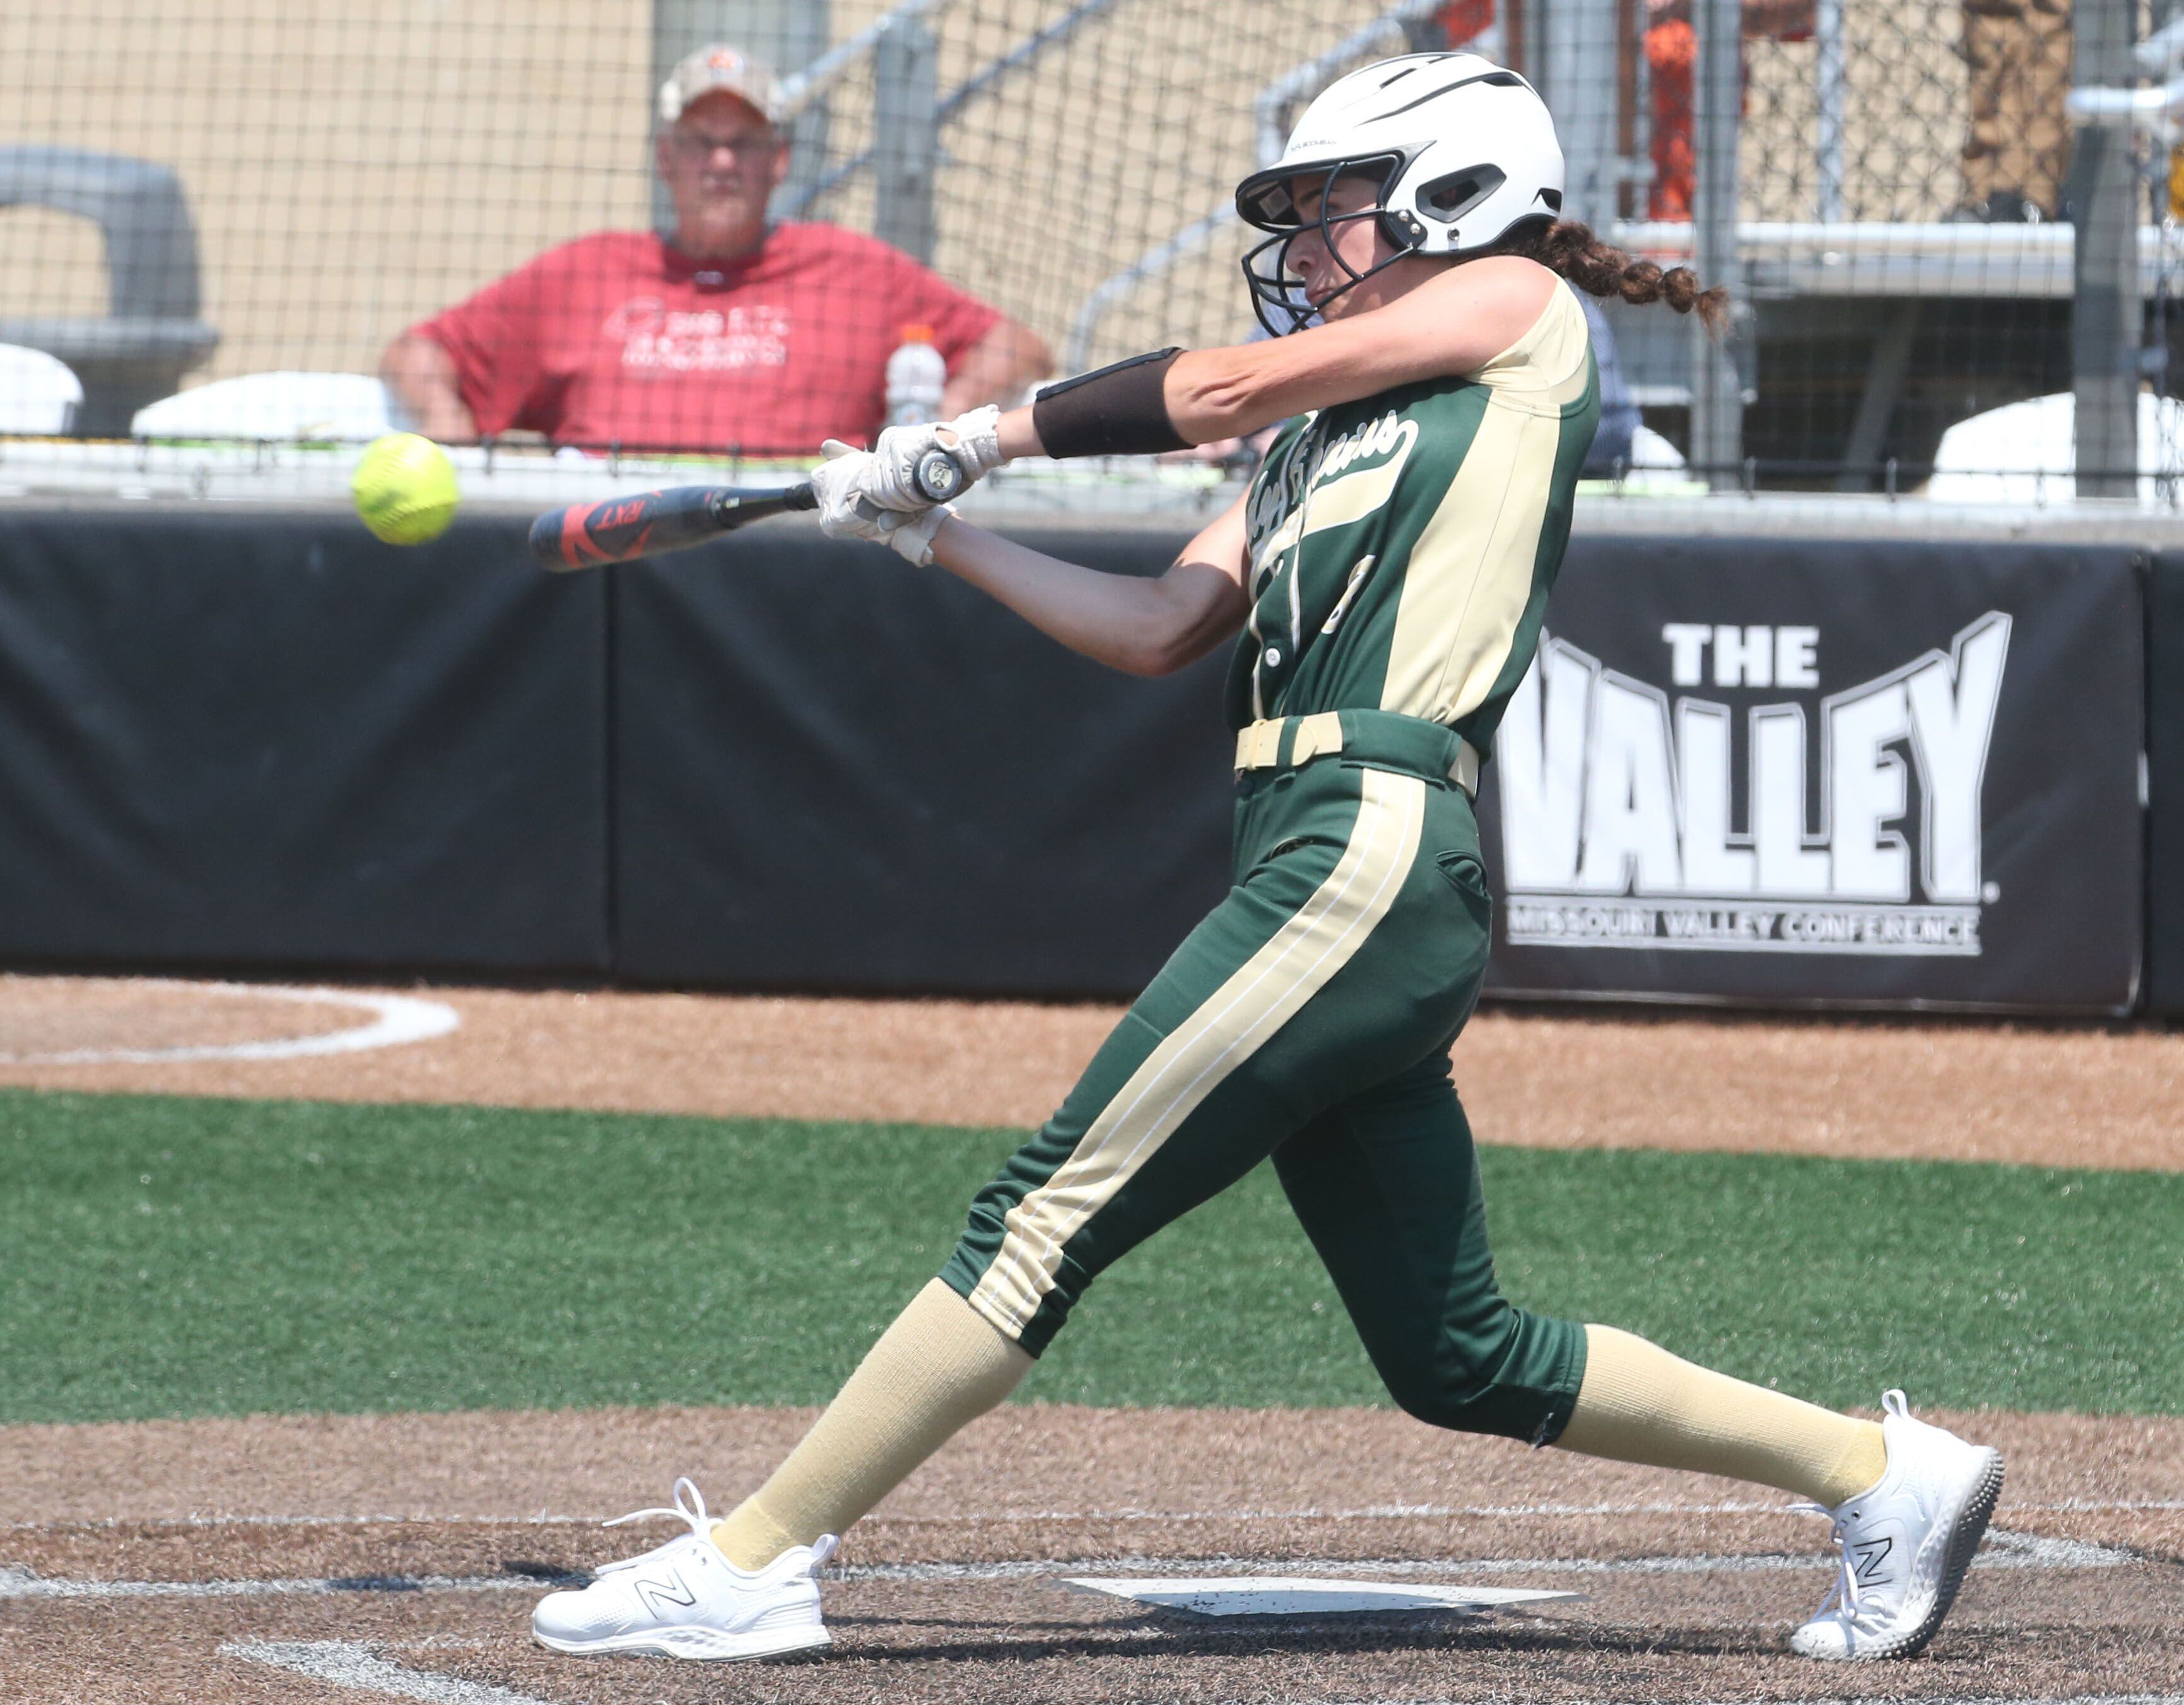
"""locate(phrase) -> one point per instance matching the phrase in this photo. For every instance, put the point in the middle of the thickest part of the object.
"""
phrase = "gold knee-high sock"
(939, 1366)
(1639, 1404)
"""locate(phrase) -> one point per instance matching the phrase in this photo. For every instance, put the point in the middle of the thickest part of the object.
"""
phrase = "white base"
(1268, 1594)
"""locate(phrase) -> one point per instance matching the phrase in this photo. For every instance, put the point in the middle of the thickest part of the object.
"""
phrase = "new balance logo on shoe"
(1866, 1561)
(671, 1590)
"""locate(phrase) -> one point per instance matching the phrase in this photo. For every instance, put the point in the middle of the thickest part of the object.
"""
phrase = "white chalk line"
(2004, 1549)
(1366, 1513)
(2059, 1553)
(396, 1020)
(21, 1584)
(1842, 1699)
(1726, 1506)
(192, 1524)
(351, 1664)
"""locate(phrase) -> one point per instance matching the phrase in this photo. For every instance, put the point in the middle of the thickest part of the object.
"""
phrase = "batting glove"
(910, 536)
(845, 483)
(973, 439)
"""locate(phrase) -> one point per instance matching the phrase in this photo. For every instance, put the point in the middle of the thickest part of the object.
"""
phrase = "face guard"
(1266, 199)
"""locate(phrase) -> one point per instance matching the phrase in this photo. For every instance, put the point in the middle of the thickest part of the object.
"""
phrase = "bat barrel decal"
(623, 529)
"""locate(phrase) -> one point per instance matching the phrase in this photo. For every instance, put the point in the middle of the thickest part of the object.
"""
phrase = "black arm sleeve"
(1111, 411)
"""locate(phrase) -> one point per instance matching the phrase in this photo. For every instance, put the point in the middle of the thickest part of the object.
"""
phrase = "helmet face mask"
(1278, 295)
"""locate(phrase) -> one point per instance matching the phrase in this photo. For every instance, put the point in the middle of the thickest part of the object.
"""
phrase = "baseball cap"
(719, 69)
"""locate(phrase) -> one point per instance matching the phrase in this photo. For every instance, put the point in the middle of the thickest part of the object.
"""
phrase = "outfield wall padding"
(239, 738)
(2165, 755)
(236, 737)
(835, 771)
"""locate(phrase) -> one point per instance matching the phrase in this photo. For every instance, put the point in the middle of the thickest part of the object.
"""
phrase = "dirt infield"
(320, 1559)
(2080, 1096)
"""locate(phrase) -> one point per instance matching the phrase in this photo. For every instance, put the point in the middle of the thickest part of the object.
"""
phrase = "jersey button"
(1273, 657)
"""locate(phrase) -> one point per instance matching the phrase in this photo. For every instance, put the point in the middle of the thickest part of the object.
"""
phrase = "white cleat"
(1905, 1545)
(684, 1599)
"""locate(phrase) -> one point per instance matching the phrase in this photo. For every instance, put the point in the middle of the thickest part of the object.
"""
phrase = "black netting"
(224, 220)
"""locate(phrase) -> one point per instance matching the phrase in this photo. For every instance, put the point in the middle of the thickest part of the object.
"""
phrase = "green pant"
(1307, 1018)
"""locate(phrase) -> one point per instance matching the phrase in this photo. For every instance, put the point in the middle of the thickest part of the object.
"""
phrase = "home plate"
(1275, 1595)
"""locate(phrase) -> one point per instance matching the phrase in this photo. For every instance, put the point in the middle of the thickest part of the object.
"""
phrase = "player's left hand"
(844, 483)
(909, 536)
(973, 439)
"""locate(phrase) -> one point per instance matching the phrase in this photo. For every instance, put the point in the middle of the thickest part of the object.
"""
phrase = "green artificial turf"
(169, 1257)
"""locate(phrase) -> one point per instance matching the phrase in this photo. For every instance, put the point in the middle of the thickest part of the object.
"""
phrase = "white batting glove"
(974, 439)
(910, 536)
(845, 483)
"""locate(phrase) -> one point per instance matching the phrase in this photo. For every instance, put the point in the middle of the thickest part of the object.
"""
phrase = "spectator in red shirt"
(738, 335)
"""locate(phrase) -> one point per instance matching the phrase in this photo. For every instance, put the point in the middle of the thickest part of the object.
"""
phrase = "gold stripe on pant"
(1264, 993)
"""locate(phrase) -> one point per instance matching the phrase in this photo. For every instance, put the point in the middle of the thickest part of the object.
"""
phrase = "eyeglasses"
(690, 145)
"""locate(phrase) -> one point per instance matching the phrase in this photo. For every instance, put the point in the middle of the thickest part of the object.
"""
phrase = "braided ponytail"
(1570, 249)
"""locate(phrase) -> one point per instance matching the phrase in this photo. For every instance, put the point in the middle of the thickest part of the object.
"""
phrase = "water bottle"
(916, 375)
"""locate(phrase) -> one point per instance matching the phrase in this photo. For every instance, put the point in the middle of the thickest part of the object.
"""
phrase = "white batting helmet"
(1463, 150)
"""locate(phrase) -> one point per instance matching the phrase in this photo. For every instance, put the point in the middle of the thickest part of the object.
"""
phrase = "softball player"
(1388, 570)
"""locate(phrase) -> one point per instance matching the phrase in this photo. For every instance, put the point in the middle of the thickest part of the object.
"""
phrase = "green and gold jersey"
(1401, 547)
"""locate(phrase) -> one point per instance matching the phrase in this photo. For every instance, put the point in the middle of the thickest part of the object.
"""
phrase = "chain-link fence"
(237, 218)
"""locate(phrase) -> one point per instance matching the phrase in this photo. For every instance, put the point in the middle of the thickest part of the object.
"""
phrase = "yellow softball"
(405, 490)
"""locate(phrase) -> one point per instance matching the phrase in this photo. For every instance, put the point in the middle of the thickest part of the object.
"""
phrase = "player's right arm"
(1450, 325)
(1141, 626)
